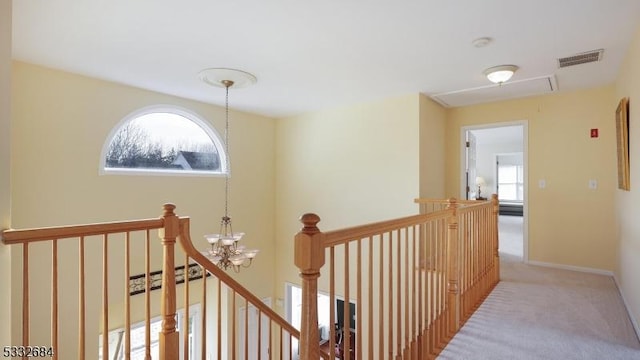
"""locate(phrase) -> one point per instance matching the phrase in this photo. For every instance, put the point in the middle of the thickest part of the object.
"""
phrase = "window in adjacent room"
(163, 140)
(510, 178)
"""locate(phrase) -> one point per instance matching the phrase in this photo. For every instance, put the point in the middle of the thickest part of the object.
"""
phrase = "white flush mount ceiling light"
(500, 74)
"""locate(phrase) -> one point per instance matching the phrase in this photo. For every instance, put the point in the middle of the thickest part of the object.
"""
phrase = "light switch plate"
(542, 183)
(593, 184)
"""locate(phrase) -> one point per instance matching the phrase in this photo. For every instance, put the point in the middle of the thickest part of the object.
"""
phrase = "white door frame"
(525, 156)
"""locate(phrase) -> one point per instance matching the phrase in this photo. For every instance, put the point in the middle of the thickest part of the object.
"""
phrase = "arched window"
(163, 140)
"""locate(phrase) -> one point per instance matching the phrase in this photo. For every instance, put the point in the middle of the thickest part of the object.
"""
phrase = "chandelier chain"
(226, 149)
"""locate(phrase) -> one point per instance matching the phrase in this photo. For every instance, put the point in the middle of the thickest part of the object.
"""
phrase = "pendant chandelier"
(225, 251)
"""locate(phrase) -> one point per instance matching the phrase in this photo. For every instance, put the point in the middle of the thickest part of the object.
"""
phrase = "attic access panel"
(508, 90)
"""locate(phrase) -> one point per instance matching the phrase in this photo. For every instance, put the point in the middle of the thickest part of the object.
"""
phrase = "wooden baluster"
(169, 337)
(281, 346)
(81, 301)
(25, 294)
(219, 322)
(421, 272)
(332, 300)
(127, 297)
(359, 313)
(105, 297)
(406, 294)
(185, 318)
(370, 298)
(398, 293)
(147, 295)
(381, 290)
(453, 260)
(54, 296)
(259, 315)
(234, 333)
(430, 289)
(309, 258)
(203, 318)
(390, 296)
(346, 309)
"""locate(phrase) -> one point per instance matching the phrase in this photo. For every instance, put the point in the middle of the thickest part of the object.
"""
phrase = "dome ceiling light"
(500, 74)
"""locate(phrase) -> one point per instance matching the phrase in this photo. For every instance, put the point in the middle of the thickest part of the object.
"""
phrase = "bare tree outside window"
(163, 141)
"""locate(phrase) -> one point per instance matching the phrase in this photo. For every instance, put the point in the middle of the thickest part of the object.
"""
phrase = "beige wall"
(5, 165)
(569, 224)
(60, 122)
(627, 203)
(351, 166)
(432, 150)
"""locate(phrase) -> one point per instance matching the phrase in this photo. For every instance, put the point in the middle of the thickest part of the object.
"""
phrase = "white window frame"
(172, 109)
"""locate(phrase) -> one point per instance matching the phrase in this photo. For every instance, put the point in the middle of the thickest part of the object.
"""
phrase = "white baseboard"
(572, 268)
(634, 323)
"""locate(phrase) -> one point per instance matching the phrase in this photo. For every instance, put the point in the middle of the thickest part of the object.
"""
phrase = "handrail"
(446, 201)
(468, 207)
(189, 249)
(343, 236)
(13, 236)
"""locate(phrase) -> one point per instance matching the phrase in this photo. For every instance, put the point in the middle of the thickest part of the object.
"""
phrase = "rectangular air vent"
(583, 58)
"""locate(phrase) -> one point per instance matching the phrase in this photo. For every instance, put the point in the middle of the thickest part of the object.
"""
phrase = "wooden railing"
(413, 281)
(53, 258)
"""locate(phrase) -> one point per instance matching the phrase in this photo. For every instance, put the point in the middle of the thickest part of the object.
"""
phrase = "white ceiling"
(313, 55)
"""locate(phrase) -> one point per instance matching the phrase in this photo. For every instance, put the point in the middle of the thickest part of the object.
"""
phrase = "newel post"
(168, 337)
(309, 258)
(494, 235)
(453, 297)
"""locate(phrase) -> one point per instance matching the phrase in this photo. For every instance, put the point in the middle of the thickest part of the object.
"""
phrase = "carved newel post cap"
(310, 222)
(308, 249)
(168, 209)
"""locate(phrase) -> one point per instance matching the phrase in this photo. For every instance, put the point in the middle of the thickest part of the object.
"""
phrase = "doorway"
(248, 331)
(494, 161)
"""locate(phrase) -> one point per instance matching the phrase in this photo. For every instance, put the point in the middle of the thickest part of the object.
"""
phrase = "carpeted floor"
(544, 313)
(511, 231)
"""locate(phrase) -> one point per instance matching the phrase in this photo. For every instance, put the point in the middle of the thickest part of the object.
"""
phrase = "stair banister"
(309, 258)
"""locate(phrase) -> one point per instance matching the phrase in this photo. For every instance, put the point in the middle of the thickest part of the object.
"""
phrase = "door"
(252, 333)
(470, 163)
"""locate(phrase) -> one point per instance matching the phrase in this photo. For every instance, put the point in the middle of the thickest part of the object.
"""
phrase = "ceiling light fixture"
(482, 42)
(500, 74)
(225, 251)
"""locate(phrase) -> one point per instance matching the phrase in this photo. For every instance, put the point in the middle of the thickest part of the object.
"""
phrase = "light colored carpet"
(511, 235)
(544, 313)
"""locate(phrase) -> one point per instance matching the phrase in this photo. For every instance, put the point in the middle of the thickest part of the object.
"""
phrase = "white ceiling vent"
(508, 90)
(582, 58)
